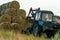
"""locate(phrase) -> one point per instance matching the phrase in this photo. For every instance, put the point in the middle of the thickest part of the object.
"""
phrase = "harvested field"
(11, 35)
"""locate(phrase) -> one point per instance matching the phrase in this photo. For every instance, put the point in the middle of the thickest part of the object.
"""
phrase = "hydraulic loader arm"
(32, 12)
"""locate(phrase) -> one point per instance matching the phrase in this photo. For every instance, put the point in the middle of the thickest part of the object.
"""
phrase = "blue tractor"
(42, 22)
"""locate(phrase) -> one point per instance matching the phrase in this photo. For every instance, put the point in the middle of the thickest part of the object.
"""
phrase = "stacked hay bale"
(10, 11)
(11, 17)
(5, 25)
(17, 19)
(13, 4)
(5, 18)
(21, 12)
(15, 26)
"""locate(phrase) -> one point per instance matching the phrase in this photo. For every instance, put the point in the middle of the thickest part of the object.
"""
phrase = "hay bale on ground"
(5, 18)
(17, 19)
(5, 25)
(10, 11)
(26, 24)
(19, 27)
(21, 12)
(15, 26)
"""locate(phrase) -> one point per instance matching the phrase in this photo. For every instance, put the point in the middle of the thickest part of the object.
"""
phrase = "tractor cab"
(37, 14)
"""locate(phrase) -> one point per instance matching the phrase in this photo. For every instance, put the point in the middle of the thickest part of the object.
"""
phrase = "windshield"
(38, 16)
(47, 17)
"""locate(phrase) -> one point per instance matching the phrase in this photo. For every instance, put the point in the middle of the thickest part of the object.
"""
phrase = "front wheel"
(28, 31)
(37, 30)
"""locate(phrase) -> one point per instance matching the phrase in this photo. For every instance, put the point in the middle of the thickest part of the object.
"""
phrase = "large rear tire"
(50, 33)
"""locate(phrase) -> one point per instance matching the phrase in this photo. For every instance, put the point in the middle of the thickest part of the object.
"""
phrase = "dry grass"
(11, 35)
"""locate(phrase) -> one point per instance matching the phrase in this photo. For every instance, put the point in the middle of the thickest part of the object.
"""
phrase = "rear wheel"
(50, 33)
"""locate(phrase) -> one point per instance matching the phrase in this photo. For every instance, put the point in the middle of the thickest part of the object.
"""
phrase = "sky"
(51, 5)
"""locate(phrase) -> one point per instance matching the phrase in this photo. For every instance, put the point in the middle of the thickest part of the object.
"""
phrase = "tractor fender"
(47, 28)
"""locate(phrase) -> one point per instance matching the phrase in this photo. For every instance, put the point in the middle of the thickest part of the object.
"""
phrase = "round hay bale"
(2, 12)
(3, 6)
(5, 25)
(0, 8)
(17, 19)
(10, 11)
(14, 4)
(5, 18)
(15, 26)
(21, 12)
(26, 24)
(6, 5)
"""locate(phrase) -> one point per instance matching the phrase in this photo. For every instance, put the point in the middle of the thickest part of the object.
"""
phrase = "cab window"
(47, 17)
(38, 16)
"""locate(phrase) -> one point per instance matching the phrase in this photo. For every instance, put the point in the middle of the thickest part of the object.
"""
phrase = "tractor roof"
(45, 11)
